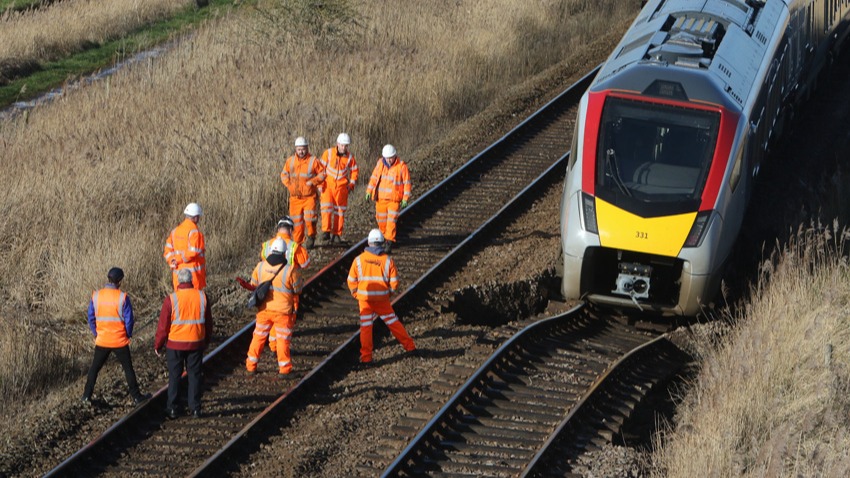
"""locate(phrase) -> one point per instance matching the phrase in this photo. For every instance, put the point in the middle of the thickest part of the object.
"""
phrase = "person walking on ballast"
(341, 177)
(302, 175)
(389, 187)
(276, 314)
(110, 318)
(184, 330)
(372, 280)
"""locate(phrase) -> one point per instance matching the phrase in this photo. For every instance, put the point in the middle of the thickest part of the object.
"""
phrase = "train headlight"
(589, 208)
(698, 229)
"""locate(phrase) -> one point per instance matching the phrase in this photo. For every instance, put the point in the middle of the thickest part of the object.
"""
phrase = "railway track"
(527, 409)
(239, 409)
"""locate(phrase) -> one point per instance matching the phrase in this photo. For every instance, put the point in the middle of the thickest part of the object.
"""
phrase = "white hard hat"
(388, 151)
(300, 141)
(343, 139)
(193, 209)
(278, 247)
(375, 237)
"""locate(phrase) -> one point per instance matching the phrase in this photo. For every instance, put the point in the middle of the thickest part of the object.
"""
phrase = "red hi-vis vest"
(109, 316)
(372, 277)
(187, 316)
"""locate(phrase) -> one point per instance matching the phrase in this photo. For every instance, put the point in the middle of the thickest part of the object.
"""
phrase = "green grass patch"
(18, 5)
(54, 73)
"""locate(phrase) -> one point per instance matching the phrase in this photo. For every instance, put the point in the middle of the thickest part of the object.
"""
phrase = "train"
(670, 136)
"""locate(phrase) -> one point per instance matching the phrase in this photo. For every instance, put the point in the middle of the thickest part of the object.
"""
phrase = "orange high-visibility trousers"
(386, 213)
(383, 309)
(302, 211)
(334, 205)
(281, 325)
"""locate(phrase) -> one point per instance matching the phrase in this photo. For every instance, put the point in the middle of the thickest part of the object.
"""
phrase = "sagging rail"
(513, 408)
(237, 406)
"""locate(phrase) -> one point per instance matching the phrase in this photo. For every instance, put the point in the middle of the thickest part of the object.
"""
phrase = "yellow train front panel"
(619, 229)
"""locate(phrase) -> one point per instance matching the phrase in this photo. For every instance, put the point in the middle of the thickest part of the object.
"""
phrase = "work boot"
(308, 244)
(388, 247)
(326, 237)
(141, 399)
(86, 401)
(171, 414)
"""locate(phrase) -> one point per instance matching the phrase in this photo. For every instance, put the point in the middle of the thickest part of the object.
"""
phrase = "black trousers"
(123, 356)
(179, 360)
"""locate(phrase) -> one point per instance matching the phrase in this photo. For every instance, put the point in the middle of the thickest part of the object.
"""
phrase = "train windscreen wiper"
(611, 162)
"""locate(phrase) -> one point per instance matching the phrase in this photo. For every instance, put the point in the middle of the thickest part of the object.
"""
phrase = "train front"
(640, 223)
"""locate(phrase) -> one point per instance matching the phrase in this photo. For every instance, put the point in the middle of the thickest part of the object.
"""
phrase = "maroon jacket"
(164, 327)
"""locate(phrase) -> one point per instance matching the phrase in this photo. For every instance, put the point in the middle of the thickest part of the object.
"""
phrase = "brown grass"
(63, 28)
(99, 178)
(773, 398)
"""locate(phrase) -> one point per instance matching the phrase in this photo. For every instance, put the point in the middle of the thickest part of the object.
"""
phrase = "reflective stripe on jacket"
(108, 305)
(297, 171)
(372, 277)
(187, 316)
(339, 170)
(285, 286)
(186, 245)
(295, 254)
(390, 183)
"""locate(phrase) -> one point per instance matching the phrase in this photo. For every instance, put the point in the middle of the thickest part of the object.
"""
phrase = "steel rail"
(639, 353)
(412, 449)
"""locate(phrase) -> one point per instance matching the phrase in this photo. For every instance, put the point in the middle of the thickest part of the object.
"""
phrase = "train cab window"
(650, 153)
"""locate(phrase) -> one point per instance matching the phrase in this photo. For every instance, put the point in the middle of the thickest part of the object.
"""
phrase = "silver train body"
(669, 137)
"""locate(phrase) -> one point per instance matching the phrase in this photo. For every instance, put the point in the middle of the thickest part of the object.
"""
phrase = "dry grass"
(66, 27)
(99, 178)
(773, 398)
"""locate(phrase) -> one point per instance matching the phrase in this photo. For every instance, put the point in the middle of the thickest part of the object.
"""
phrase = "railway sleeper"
(484, 451)
(494, 431)
(483, 439)
(485, 466)
(512, 412)
(507, 424)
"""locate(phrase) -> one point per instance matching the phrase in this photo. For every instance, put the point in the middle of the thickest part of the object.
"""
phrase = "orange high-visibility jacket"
(372, 277)
(392, 184)
(187, 315)
(285, 286)
(340, 170)
(108, 304)
(298, 172)
(295, 254)
(186, 245)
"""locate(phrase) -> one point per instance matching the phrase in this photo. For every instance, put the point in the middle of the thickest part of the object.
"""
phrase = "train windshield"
(653, 153)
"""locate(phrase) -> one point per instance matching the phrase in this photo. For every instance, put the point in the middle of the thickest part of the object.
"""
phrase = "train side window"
(738, 167)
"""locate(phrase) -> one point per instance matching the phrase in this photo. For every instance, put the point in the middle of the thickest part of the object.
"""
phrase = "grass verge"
(52, 74)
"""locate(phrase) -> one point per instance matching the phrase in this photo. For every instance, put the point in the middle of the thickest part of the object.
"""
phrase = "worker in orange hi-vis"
(302, 175)
(276, 314)
(389, 187)
(185, 248)
(341, 177)
(295, 255)
(372, 280)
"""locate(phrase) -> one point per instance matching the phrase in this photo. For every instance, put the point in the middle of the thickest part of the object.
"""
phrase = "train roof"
(686, 41)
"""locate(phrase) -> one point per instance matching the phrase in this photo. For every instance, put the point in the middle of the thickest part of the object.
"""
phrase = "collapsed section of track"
(498, 420)
(237, 406)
